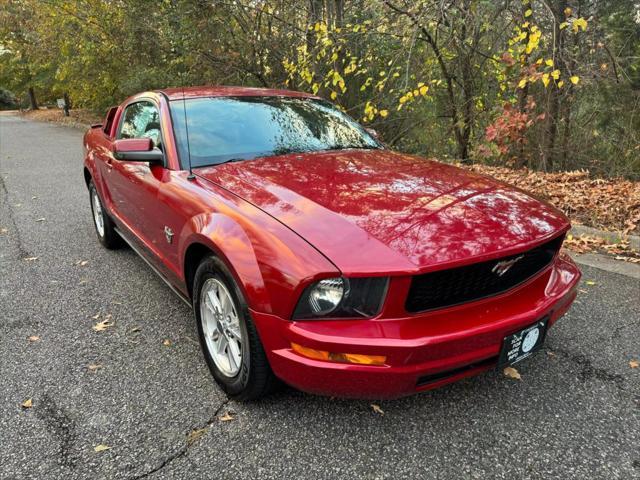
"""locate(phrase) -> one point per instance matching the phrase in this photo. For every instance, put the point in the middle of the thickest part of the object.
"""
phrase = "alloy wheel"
(221, 327)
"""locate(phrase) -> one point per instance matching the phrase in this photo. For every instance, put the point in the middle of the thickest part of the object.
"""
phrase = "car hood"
(377, 211)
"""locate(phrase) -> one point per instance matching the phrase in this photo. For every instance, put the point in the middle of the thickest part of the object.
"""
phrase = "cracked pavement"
(574, 414)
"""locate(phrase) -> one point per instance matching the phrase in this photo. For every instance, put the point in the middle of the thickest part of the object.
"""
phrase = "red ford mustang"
(313, 254)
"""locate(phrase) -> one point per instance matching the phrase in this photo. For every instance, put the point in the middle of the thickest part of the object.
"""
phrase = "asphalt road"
(574, 414)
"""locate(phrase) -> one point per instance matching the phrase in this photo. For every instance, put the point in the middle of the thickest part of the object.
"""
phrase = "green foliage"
(551, 85)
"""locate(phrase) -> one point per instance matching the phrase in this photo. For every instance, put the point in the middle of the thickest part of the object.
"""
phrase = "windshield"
(226, 129)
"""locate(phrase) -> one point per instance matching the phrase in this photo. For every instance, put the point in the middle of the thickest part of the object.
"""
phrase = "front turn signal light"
(356, 358)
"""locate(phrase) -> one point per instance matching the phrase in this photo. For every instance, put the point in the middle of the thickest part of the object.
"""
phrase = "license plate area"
(523, 344)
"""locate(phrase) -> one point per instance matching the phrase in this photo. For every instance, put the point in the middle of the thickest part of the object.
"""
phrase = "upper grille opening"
(445, 288)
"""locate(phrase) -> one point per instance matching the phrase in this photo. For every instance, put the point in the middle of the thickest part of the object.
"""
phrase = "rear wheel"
(105, 229)
(228, 337)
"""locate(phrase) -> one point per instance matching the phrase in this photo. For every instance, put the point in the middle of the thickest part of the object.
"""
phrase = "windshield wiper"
(352, 147)
(229, 161)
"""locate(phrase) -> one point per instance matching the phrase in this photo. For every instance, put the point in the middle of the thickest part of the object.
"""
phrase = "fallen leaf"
(590, 282)
(28, 403)
(94, 367)
(101, 448)
(103, 325)
(82, 282)
(82, 263)
(96, 316)
(31, 259)
(377, 409)
(167, 343)
(195, 435)
(634, 363)
(3, 231)
(550, 353)
(512, 373)
(34, 198)
(40, 219)
(227, 417)
(135, 329)
(34, 338)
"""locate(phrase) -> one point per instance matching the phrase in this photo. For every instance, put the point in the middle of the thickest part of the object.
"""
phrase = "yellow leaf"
(94, 367)
(634, 363)
(195, 435)
(31, 259)
(579, 24)
(34, 338)
(522, 83)
(567, 11)
(512, 373)
(549, 63)
(590, 282)
(528, 13)
(167, 343)
(28, 403)
(227, 417)
(555, 74)
(103, 325)
(563, 25)
(545, 79)
(423, 90)
(333, 95)
(561, 84)
(574, 79)
(101, 448)
(384, 113)
(377, 409)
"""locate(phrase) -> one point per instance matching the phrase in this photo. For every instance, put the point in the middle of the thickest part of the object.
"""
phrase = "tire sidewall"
(93, 191)
(212, 267)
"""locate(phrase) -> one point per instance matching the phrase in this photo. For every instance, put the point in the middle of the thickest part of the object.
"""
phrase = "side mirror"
(137, 150)
(373, 133)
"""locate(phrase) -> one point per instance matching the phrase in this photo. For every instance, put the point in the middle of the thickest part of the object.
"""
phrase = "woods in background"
(552, 84)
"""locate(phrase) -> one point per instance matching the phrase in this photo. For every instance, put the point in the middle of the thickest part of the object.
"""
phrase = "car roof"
(224, 91)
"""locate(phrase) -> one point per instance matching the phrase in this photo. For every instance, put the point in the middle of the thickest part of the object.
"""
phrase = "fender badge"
(504, 266)
(169, 234)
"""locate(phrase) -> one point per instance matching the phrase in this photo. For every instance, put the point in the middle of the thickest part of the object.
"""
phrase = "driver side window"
(141, 120)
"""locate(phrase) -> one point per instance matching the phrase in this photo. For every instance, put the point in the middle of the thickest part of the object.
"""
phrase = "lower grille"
(434, 377)
(445, 288)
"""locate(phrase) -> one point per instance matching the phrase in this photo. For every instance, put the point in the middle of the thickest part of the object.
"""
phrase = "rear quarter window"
(108, 121)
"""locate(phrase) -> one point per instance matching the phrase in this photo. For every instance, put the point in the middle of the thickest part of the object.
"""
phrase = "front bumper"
(423, 351)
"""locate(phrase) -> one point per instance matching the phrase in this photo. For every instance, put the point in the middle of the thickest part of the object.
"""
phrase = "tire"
(251, 377)
(105, 229)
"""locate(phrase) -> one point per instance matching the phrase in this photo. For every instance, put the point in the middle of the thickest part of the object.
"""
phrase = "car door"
(134, 185)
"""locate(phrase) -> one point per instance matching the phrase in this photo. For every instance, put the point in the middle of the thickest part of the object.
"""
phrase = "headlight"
(342, 298)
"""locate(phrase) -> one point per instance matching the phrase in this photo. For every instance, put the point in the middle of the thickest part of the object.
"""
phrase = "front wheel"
(105, 229)
(228, 337)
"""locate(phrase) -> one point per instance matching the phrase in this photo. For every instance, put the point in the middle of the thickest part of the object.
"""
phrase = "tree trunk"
(32, 99)
(67, 104)
(548, 153)
(315, 16)
(339, 13)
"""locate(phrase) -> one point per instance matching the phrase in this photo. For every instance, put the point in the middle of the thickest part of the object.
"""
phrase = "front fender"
(271, 263)
(230, 243)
